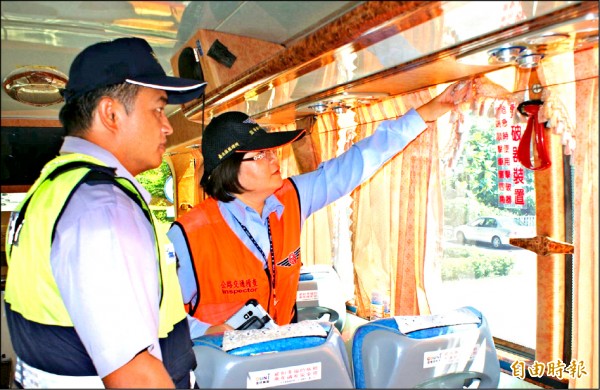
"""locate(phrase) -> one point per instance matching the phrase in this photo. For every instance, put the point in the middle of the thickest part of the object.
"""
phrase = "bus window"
(527, 295)
(159, 182)
(488, 198)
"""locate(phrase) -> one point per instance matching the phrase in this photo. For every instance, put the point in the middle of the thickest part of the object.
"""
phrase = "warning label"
(284, 376)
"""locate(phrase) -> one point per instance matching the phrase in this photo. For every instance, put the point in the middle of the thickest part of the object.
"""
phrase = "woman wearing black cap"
(243, 242)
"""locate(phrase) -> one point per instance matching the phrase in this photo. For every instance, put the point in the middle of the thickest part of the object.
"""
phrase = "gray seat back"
(454, 350)
(299, 362)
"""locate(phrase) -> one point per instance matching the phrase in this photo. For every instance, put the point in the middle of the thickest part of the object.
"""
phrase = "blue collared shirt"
(330, 181)
(104, 262)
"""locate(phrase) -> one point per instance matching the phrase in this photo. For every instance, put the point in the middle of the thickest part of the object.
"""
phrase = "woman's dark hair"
(76, 116)
(223, 181)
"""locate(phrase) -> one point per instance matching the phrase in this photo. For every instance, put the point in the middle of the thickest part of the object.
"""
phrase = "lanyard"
(263, 253)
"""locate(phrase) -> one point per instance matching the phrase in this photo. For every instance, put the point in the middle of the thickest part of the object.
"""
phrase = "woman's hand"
(455, 94)
(220, 328)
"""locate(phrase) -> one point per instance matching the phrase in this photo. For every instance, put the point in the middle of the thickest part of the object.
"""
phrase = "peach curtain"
(390, 210)
(392, 207)
(388, 243)
(317, 233)
(585, 267)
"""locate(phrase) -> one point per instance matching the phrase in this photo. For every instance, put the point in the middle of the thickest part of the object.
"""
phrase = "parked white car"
(493, 230)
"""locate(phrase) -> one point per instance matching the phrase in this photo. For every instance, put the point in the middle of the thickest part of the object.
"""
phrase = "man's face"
(145, 131)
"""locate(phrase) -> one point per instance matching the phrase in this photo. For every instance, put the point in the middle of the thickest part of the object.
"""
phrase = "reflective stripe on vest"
(32, 378)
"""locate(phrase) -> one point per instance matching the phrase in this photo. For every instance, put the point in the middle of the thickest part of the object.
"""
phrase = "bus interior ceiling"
(302, 54)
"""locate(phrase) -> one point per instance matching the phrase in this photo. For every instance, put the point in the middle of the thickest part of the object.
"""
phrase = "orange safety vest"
(229, 274)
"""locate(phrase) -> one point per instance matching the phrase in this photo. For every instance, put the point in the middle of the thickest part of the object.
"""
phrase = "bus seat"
(257, 358)
(451, 350)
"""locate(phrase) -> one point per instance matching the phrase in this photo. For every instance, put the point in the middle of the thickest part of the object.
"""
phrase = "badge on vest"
(291, 259)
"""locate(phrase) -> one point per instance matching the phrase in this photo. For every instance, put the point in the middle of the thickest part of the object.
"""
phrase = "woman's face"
(259, 172)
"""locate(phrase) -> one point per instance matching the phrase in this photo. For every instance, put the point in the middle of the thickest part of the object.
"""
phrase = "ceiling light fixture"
(530, 60)
(505, 54)
(319, 107)
(341, 102)
(35, 85)
(340, 108)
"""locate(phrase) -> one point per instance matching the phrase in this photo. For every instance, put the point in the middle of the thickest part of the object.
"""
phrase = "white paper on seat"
(407, 324)
(239, 338)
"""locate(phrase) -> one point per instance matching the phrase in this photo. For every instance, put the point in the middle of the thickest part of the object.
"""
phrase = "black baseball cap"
(130, 60)
(235, 131)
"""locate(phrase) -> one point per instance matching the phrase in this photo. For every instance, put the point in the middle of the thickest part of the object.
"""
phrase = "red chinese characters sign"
(511, 174)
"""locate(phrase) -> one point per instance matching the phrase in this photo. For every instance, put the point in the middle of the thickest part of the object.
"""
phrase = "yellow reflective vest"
(30, 286)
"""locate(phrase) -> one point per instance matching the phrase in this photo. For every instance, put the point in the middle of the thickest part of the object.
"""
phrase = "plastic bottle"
(386, 306)
(376, 306)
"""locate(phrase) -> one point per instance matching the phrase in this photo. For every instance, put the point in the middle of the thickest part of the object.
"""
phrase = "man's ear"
(108, 111)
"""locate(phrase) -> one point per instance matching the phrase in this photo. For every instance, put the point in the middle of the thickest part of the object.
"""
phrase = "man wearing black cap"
(244, 241)
(90, 300)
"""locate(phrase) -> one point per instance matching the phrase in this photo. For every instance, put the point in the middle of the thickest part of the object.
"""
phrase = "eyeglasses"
(262, 154)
